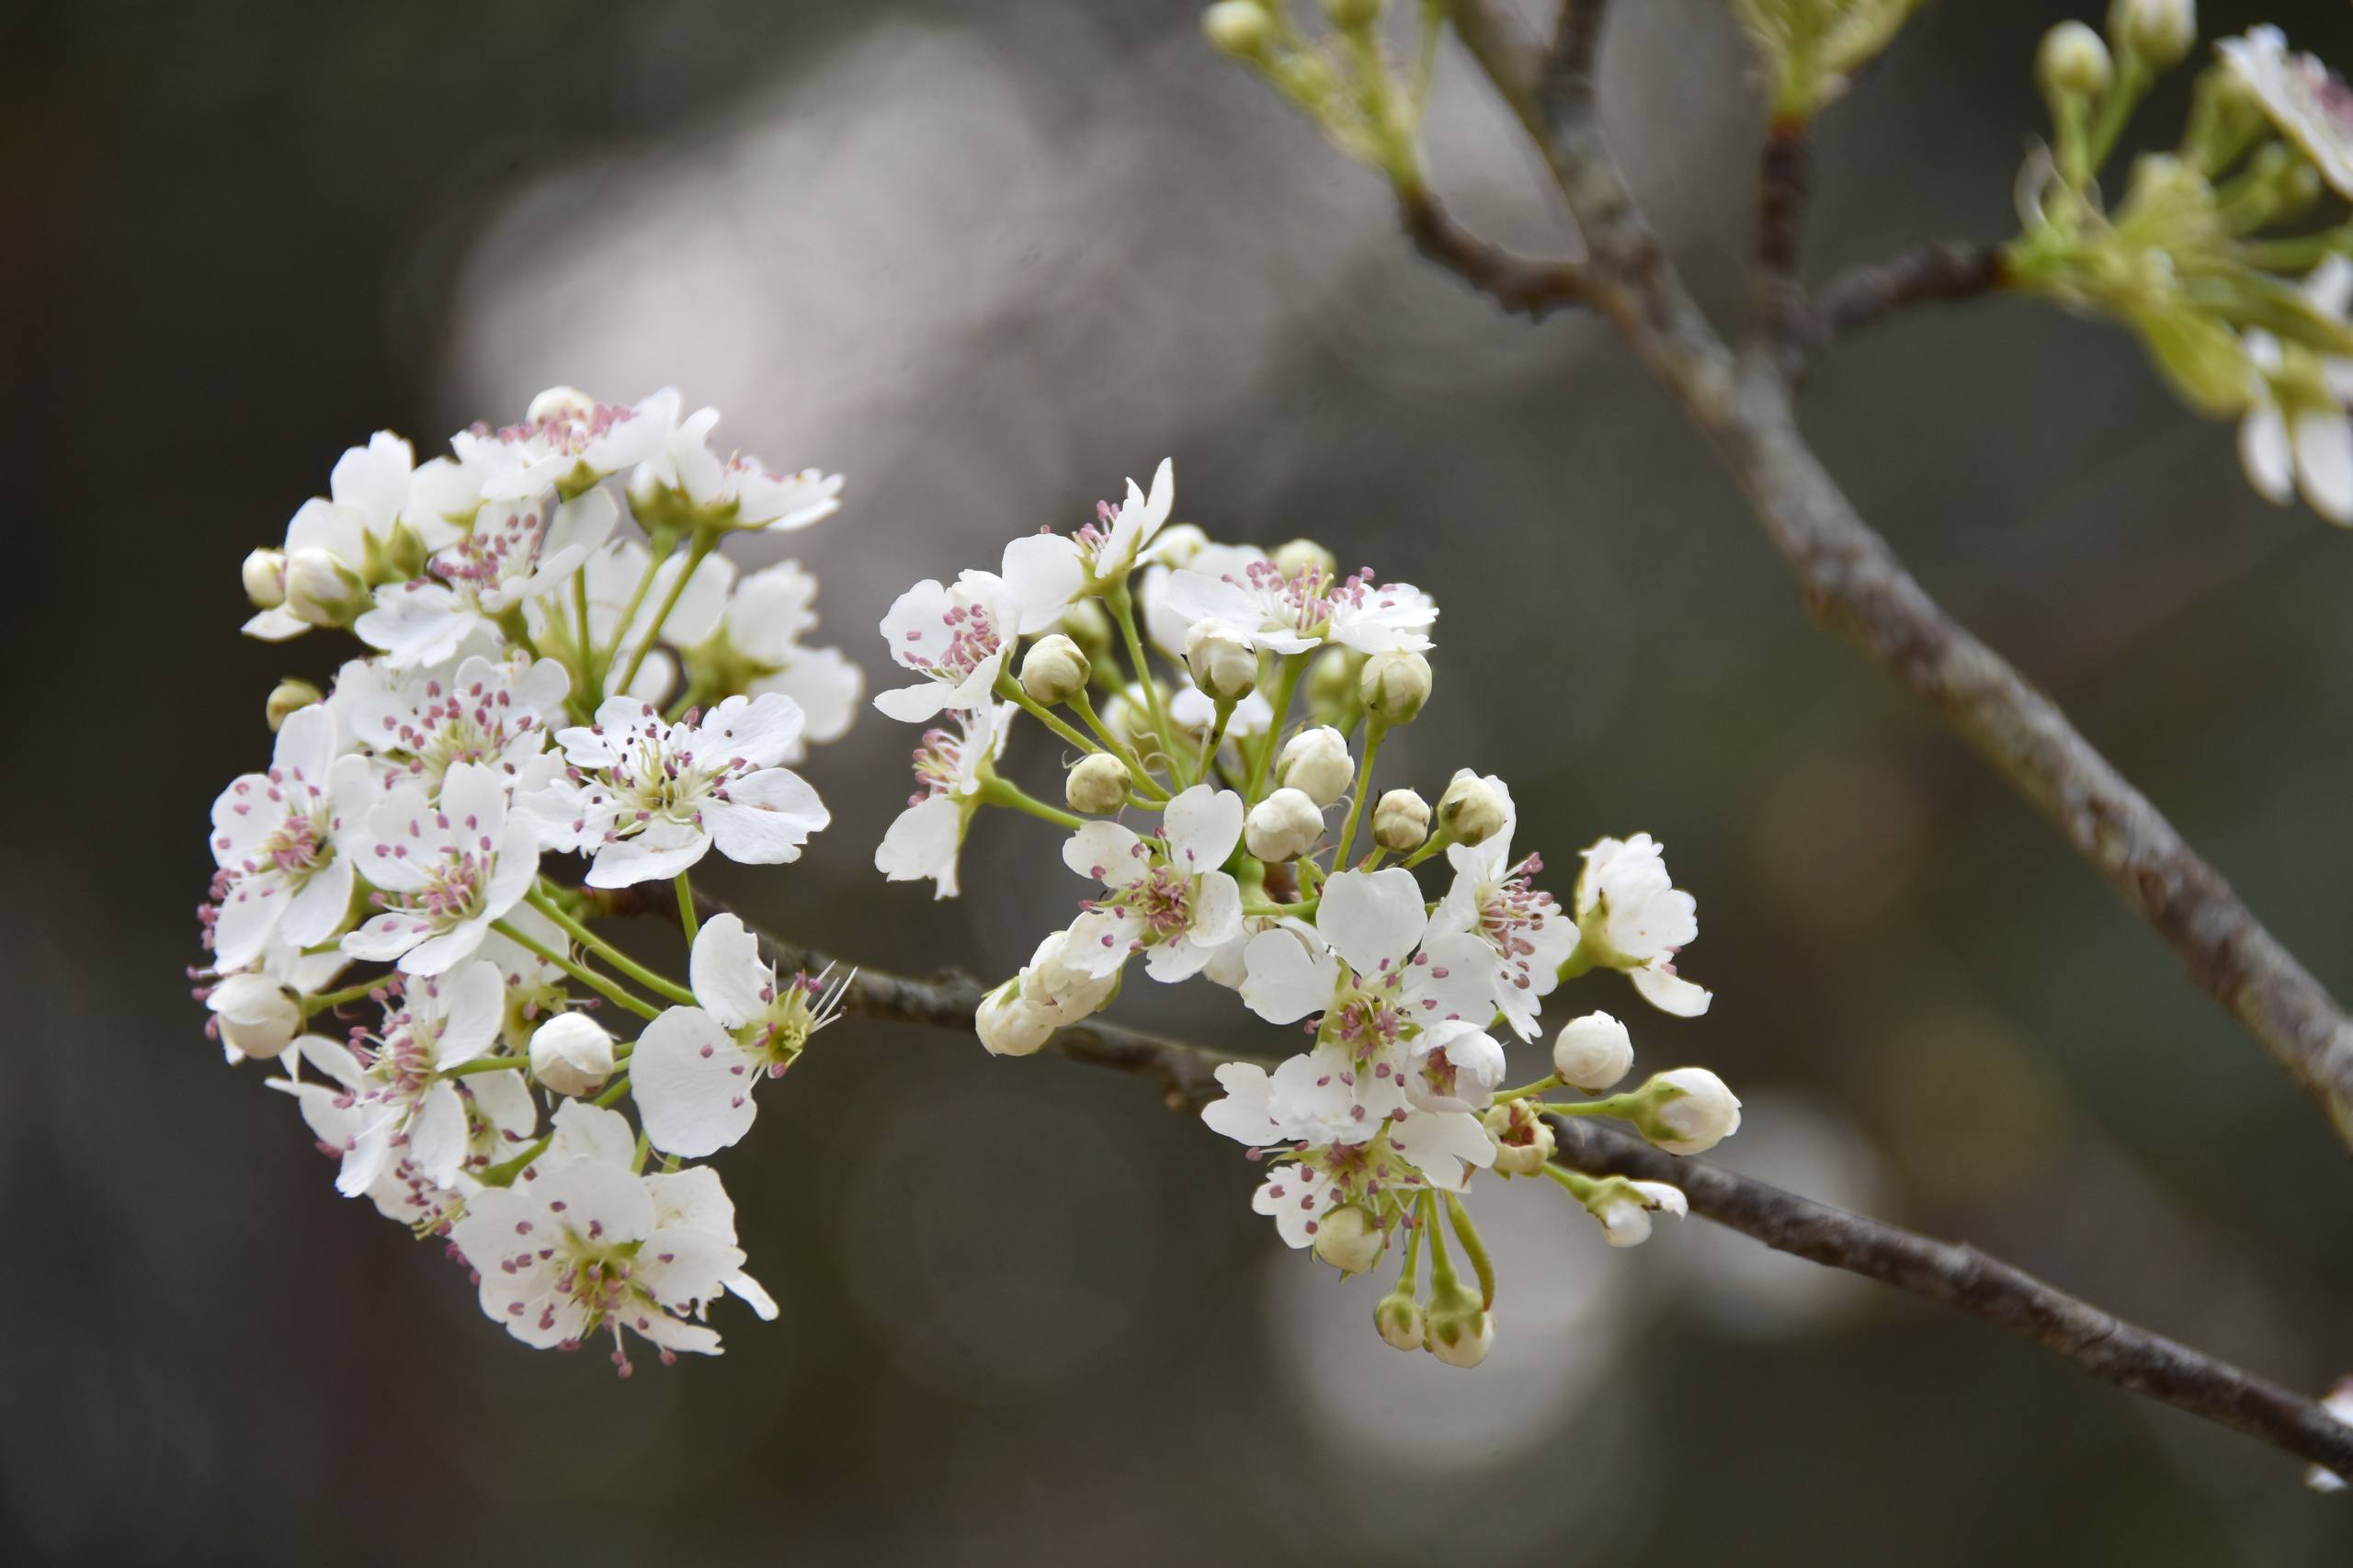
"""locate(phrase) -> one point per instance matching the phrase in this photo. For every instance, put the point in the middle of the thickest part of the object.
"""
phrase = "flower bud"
(1523, 1139)
(256, 1014)
(1399, 1319)
(1332, 680)
(1394, 685)
(571, 1053)
(2159, 31)
(1306, 555)
(1401, 822)
(2073, 63)
(1458, 1329)
(1222, 663)
(1176, 544)
(1349, 1239)
(1283, 826)
(1010, 1027)
(1086, 624)
(1471, 810)
(1624, 1208)
(323, 591)
(1316, 764)
(1096, 784)
(288, 697)
(1238, 28)
(1055, 670)
(265, 578)
(1686, 1111)
(1350, 14)
(1593, 1053)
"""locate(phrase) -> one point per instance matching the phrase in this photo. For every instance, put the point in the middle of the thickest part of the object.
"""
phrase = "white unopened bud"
(265, 578)
(1686, 1111)
(288, 697)
(1316, 763)
(1222, 663)
(256, 1014)
(1394, 685)
(1471, 810)
(559, 400)
(1349, 1239)
(1398, 1317)
(322, 590)
(1306, 555)
(1624, 1208)
(1523, 1139)
(2073, 63)
(1096, 784)
(1283, 826)
(1401, 822)
(1459, 1330)
(1010, 1027)
(2159, 31)
(571, 1053)
(1238, 28)
(1055, 670)
(1593, 1053)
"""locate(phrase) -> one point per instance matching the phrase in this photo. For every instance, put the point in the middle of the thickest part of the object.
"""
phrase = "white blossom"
(367, 493)
(493, 713)
(444, 870)
(281, 877)
(515, 551)
(649, 799)
(957, 639)
(737, 491)
(1289, 613)
(952, 765)
(2297, 435)
(1494, 898)
(2307, 101)
(1630, 916)
(567, 439)
(1047, 571)
(1165, 896)
(1624, 1208)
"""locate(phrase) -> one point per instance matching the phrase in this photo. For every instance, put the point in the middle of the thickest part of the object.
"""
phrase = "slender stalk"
(588, 977)
(686, 921)
(1117, 747)
(325, 1000)
(658, 546)
(612, 1096)
(701, 546)
(487, 1064)
(669, 990)
(1123, 610)
(1003, 793)
(505, 1172)
(1374, 733)
(1285, 684)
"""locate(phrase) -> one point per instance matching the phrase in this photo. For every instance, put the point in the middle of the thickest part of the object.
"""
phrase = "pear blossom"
(1630, 916)
(445, 869)
(489, 713)
(2296, 434)
(1420, 1150)
(1289, 612)
(753, 646)
(1493, 897)
(649, 799)
(1166, 627)
(2305, 99)
(1055, 988)
(367, 492)
(393, 1083)
(736, 491)
(280, 877)
(535, 988)
(567, 440)
(950, 767)
(1624, 1208)
(695, 1068)
(515, 551)
(1165, 895)
(957, 639)
(622, 579)
(1047, 571)
(584, 1248)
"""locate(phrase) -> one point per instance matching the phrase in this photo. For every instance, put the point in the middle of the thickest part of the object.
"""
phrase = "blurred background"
(988, 259)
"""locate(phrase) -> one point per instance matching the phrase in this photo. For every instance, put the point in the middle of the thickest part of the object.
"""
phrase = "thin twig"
(1852, 583)
(1959, 1275)
(1522, 286)
(1784, 183)
(1864, 296)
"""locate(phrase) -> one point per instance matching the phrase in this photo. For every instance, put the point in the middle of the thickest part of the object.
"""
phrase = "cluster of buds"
(1342, 78)
(1812, 48)
(1222, 710)
(539, 680)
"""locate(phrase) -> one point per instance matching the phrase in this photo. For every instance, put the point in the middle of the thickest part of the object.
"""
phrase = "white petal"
(1045, 573)
(2325, 463)
(1202, 826)
(725, 971)
(692, 1083)
(1669, 992)
(1107, 853)
(437, 1134)
(2265, 454)
(921, 841)
(766, 817)
(1371, 918)
(1284, 980)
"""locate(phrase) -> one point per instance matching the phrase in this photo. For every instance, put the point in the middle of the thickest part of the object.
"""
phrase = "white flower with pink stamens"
(1493, 898)
(1048, 571)
(737, 491)
(1416, 1151)
(444, 869)
(695, 1068)
(585, 1248)
(956, 638)
(399, 1103)
(950, 767)
(649, 799)
(1167, 895)
(281, 876)
(2305, 100)
(1630, 916)
(1292, 612)
(567, 439)
(369, 489)
(515, 551)
(490, 712)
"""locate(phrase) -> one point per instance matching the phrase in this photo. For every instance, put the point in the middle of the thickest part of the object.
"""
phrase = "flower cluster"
(1222, 710)
(542, 681)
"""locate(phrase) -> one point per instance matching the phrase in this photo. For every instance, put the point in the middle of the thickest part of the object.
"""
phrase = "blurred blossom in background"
(989, 261)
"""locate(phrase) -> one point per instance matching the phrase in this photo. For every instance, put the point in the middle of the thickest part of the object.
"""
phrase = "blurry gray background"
(988, 259)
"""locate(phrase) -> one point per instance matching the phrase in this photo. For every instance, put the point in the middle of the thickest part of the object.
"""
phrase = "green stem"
(637, 1161)
(1374, 731)
(1408, 1276)
(701, 546)
(505, 1173)
(348, 994)
(1000, 792)
(592, 690)
(2132, 83)
(1010, 690)
(1542, 1085)
(1303, 910)
(1119, 748)
(487, 1064)
(611, 1097)
(1580, 1185)
(1468, 1234)
(669, 990)
(588, 977)
(1442, 1277)
(1294, 665)
(686, 921)
(1123, 610)
(1216, 735)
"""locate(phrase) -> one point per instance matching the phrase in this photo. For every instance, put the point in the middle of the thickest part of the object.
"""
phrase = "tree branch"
(1863, 296)
(1853, 584)
(1959, 1275)
(1522, 286)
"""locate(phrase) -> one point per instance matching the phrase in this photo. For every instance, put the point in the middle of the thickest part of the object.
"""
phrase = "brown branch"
(1852, 583)
(1785, 181)
(1522, 286)
(1864, 296)
(1959, 1275)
